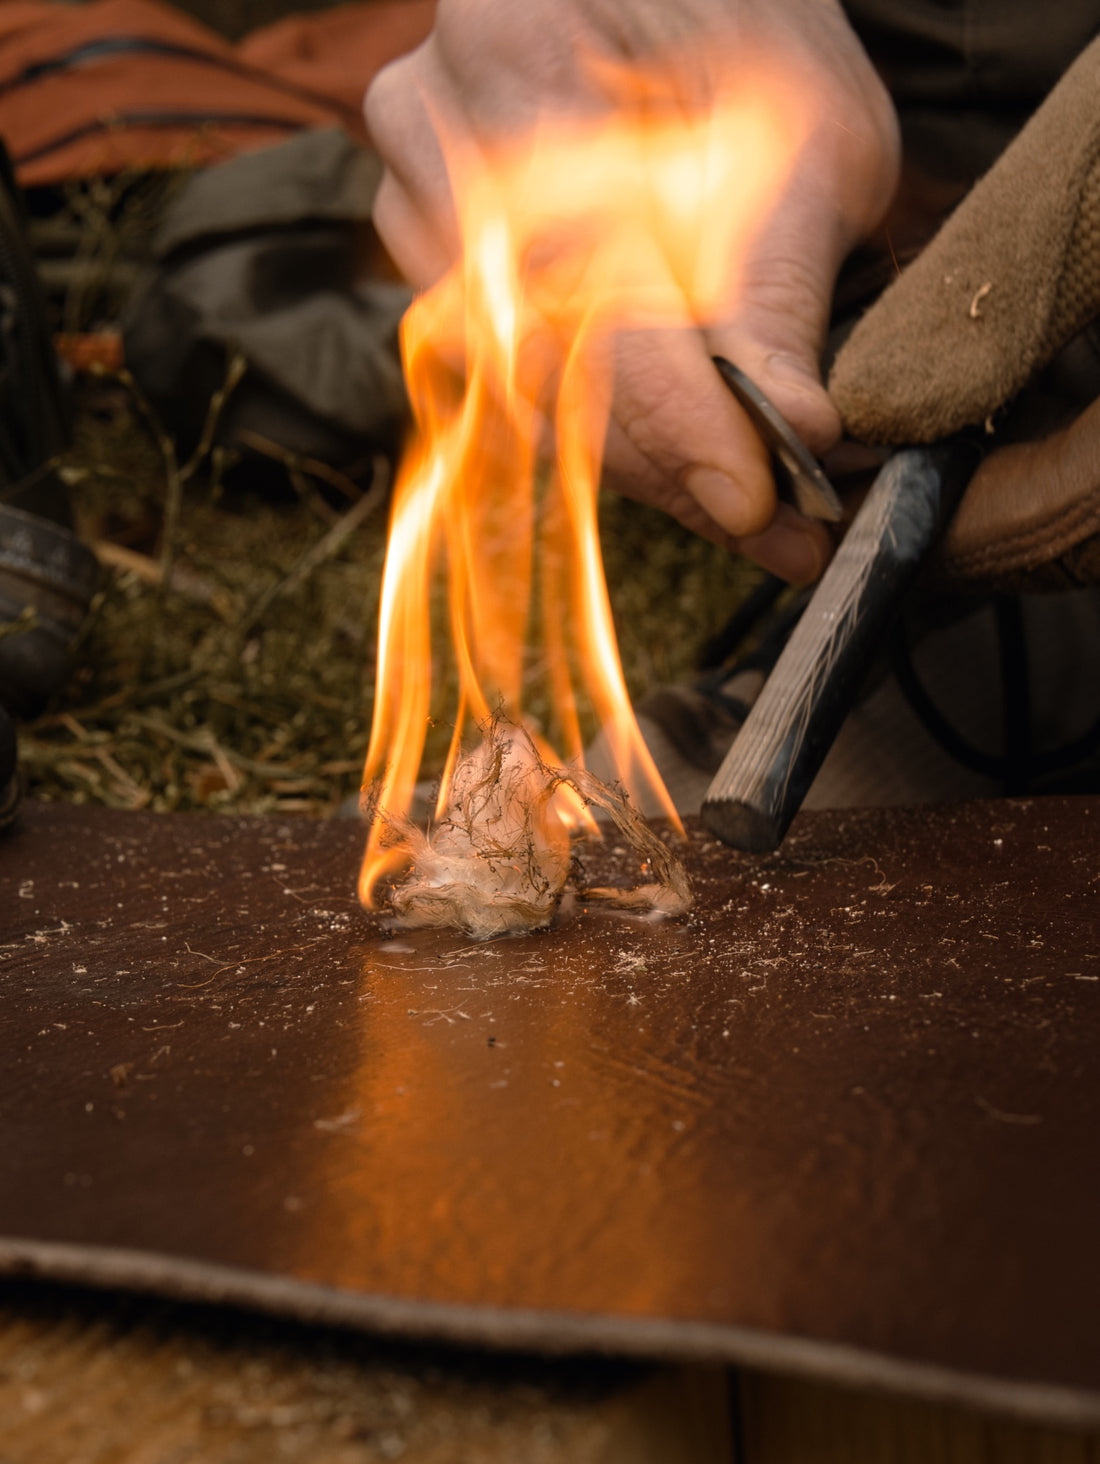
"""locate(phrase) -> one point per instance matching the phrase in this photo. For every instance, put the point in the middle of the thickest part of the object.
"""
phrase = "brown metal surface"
(843, 1120)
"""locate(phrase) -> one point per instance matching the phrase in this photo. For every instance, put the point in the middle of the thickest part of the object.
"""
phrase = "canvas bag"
(262, 255)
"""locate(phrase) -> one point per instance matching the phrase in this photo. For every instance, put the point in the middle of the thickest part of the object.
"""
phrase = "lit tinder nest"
(576, 235)
(499, 859)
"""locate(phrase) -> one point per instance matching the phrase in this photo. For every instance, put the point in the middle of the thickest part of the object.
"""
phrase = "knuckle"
(648, 408)
(385, 214)
(391, 105)
(784, 302)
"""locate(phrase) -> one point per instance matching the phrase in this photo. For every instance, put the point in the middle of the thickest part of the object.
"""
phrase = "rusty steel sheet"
(841, 1121)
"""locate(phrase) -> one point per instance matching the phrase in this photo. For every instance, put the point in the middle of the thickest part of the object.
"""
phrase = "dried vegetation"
(227, 663)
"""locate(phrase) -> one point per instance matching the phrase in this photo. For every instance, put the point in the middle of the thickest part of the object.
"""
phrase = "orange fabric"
(336, 52)
(93, 351)
(115, 112)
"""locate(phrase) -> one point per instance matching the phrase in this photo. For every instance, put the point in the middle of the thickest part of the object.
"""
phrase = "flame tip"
(635, 216)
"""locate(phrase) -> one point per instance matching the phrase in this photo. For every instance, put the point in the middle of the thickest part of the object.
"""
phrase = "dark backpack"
(47, 577)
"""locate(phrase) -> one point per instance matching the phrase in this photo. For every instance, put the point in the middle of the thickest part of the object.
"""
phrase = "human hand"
(676, 438)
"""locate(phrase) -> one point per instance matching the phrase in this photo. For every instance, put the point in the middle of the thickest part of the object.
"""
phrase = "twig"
(181, 581)
(28, 481)
(25, 621)
(295, 462)
(238, 365)
(175, 475)
(206, 742)
(134, 694)
(80, 770)
(94, 206)
(134, 794)
(70, 723)
(325, 548)
(178, 477)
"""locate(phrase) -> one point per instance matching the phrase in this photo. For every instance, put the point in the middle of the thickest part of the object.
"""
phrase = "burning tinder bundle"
(499, 859)
(635, 219)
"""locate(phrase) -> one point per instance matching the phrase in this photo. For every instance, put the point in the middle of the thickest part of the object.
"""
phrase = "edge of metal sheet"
(547, 1332)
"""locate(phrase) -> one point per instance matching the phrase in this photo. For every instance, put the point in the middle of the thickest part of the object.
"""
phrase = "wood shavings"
(979, 296)
(500, 858)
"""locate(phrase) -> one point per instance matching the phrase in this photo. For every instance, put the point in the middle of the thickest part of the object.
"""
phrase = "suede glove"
(969, 333)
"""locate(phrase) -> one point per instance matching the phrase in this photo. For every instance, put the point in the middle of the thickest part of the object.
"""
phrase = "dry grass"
(227, 664)
(246, 685)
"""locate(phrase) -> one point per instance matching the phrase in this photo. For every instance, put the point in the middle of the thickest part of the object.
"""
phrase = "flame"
(636, 218)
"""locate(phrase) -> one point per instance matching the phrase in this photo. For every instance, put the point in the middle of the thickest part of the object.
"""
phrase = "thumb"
(775, 333)
(781, 300)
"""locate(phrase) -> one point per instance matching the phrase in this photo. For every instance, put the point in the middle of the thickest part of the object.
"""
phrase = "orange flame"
(638, 218)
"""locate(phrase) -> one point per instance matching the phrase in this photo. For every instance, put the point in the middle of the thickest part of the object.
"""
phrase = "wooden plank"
(102, 1379)
(792, 1421)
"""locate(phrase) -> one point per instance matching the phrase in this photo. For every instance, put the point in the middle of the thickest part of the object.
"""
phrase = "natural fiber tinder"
(499, 860)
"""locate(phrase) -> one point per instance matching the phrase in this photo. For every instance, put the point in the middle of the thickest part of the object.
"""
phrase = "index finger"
(686, 431)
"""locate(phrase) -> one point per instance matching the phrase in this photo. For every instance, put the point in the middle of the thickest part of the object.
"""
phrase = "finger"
(795, 548)
(412, 241)
(414, 210)
(634, 477)
(676, 415)
(775, 336)
(775, 326)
